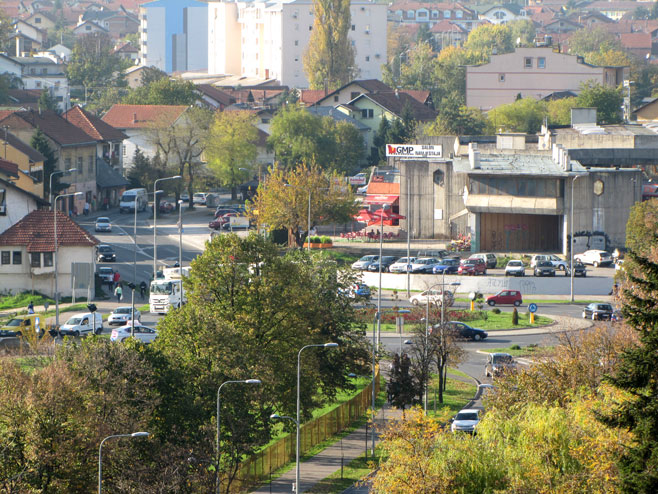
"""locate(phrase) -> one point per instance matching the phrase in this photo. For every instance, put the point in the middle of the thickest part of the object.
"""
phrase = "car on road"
(499, 363)
(82, 324)
(515, 268)
(578, 269)
(185, 197)
(386, 263)
(466, 420)
(489, 259)
(594, 257)
(121, 315)
(105, 253)
(598, 312)
(401, 265)
(166, 207)
(199, 198)
(544, 268)
(363, 263)
(143, 333)
(447, 266)
(103, 224)
(472, 267)
(106, 274)
(557, 262)
(20, 324)
(9, 333)
(424, 264)
(435, 297)
(506, 297)
(460, 330)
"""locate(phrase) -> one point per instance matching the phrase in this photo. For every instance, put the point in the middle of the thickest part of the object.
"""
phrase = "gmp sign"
(414, 151)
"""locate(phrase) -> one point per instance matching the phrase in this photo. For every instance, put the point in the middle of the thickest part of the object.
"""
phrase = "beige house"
(28, 160)
(532, 72)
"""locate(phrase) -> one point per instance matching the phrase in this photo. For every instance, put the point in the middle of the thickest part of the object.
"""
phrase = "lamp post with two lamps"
(571, 240)
(50, 180)
(155, 219)
(100, 454)
(73, 194)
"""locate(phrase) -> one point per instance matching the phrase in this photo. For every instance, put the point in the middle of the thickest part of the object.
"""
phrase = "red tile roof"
(311, 96)
(142, 116)
(636, 40)
(93, 126)
(221, 97)
(417, 94)
(51, 124)
(35, 231)
(9, 168)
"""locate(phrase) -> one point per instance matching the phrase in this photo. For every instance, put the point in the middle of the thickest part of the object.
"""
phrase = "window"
(17, 257)
(124, 150)
(367, 58)
(37, 20)
(501, 77)
(47, 259)
(79, 163)
(541, 63)
(354, 94)
(435, 14)
(310, 28)
(6, 255)
(364, 113)
(447, 14)
(33, 70)
(353, 27)
(35, 259)
(527, 62)
(67, 163)
(410, 14)
(90, 164)
(296, 42)
(87, 28)
(37, 84)
(44, 71)
(335, 98)
(459, 14)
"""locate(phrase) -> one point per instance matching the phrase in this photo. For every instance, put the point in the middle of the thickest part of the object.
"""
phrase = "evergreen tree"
(379, 142)
(401, 389)
(39, 141)
(144, 170)
(47, 101)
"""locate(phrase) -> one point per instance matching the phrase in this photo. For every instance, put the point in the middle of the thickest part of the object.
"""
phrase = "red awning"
(382, 199)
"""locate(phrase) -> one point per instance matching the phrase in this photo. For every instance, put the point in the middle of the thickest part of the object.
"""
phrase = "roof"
(339, 116)
(311, 96)
(126, 48)
(39, 200)
(518, 164)
(36, 232)
(93, 126)
(32, 154)
(446, 26)
(636, 40)
(9, 168)
(417, 94)
(221, 97)
(143, 116)
(59, 130)
(395, 102)
(107, 177)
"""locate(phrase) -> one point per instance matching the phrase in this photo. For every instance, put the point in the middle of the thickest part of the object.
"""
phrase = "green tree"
(329, 58)
(641, 13)
(559, 111)
(524, 115)
(93, 62)
(419, 69)
(47, 101)
(231, 145)
(349, 148)
(401, 389)
(162, 91)
(450, 74)
(152, 74)
(378, 152)
(606, 100)
(40, 142)
(5, 29)
(456, 119)
(593, 39)
(144, 170)
(486, 38)
(282, 200)
(523, 32)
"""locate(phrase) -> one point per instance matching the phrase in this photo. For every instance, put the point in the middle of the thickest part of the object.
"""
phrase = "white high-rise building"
(267, 39)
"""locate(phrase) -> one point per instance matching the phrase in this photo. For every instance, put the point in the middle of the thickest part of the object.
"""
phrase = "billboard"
(414, 151)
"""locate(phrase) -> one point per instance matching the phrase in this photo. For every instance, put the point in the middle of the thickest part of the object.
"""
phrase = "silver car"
(515, 268)
(402, 265)
(142, 333)
(103, 224)
(122, 315)
(363, 263)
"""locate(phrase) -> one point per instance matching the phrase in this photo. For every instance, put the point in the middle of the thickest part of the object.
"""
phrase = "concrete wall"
(223, 37)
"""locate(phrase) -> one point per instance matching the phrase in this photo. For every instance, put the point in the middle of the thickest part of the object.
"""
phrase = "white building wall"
(17, 206)
(197, 38)
(136, 138)
(223, 38)
(153, 42)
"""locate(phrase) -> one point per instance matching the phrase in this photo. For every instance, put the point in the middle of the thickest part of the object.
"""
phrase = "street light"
(308, 229)
(299, 362)
(72, 194)
(571, 239)
(379, 290)
(155, 219)
(243, 381)
(100, 454)
(180, 239)
(50, 190)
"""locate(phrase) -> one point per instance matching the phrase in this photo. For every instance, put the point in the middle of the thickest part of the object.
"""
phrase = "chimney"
(134, 118)
(473, 155)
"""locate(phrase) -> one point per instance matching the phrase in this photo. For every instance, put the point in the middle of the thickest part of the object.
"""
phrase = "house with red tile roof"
(139, 122)
(638, 44)
(27, 250)
(29, 163)
(15, 203)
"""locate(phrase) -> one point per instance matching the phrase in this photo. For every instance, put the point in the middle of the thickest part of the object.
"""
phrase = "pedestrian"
(115, 278)
(142, 289)
(118, 291)
(30, 308)
(85, 210)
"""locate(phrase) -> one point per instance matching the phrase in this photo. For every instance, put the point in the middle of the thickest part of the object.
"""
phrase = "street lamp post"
(50, 190)
(406, 169)
(573, 181)
(299, 363)
(55, 263)
(155, 219)
(243, 381)
(100, 454)
(180, 237)
(379, 290)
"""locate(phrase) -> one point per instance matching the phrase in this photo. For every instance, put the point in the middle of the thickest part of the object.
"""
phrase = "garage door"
(519, 232)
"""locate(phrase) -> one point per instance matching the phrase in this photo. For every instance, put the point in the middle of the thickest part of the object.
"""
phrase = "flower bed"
(418, 313)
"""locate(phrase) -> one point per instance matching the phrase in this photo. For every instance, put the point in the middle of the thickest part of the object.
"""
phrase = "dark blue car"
(449, 266)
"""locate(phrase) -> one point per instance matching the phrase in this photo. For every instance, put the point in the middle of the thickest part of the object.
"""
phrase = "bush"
(495, 310)
(516, 347)
(325, 239)
(515, 317)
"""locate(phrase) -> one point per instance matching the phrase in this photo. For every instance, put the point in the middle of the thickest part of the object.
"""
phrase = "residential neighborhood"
(338, 246)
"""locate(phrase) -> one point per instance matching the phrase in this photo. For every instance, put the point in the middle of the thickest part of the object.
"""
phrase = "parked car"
(466, 420)
(472, 267)
(361, 191)
(105, 253)
(439, 254)
(461, 330)
(489, 259)
(166, 207)
(143, 333)
(386, 263)
(20, 324)
(103, 224)
(199, 198)
(85, 323)
(185, 197)
(106, 274)
(121, 315)
(401, 265)
(578, 269)
(235, 221)
(219, 212)
(8, 333)
(363, 263)
(598, 312)
(359, 290)
(544, 268)
(557, 262)
(515, 268)
(434, 296)
(447, 266)
(499, 363)
(506, 297)
(594, 257)
(424, 265)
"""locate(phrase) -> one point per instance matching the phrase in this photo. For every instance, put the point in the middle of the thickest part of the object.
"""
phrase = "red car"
(506, 297)
(472, 267)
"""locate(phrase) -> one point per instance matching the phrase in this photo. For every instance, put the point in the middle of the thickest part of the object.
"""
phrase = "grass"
(457, 394)
(518, 351)
(341, 257)
(538, 301)
(355, 471)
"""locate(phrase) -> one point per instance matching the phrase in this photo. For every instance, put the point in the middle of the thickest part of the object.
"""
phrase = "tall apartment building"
(267, 39)
(173, 35)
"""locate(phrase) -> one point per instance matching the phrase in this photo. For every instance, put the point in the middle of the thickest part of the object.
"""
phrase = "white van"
(132, 197)
(85, 323)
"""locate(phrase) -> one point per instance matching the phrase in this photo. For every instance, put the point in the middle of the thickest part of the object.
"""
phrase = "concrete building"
(268, 39)
(173, 35)
(408, 12)
(532, 72)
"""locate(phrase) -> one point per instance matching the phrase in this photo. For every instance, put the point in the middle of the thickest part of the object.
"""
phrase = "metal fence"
(258, 468)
